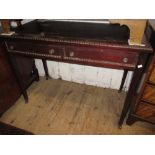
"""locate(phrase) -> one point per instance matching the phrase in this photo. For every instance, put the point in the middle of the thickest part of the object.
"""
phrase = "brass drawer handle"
(11, 47)
(51, 51)
(71, 54)
(125, 60)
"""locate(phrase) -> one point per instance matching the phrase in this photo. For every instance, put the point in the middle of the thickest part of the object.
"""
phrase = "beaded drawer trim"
(82, 42)
(72, 59)
(34, 54)
(99, 62)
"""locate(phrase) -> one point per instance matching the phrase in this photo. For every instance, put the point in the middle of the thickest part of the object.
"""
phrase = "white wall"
(96, 76)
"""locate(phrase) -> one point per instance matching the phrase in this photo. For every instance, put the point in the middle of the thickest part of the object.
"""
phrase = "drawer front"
(146, 111)
(35, 49)
(102, 56)
(149, 94)
(152, 76)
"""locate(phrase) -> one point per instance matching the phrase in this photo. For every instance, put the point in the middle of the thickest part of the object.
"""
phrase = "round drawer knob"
(125, 60)
(42, 34)
(51, 51)
(71, 54)
(11, 47)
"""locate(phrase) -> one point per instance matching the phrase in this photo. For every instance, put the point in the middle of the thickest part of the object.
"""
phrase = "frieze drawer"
(101, 56)
(36, 50)
(146, 111)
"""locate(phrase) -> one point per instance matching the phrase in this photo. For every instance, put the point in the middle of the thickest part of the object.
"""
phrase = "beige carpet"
(60, 107)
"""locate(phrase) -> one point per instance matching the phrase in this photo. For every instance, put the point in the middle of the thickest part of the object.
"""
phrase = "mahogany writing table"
(93, 44)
